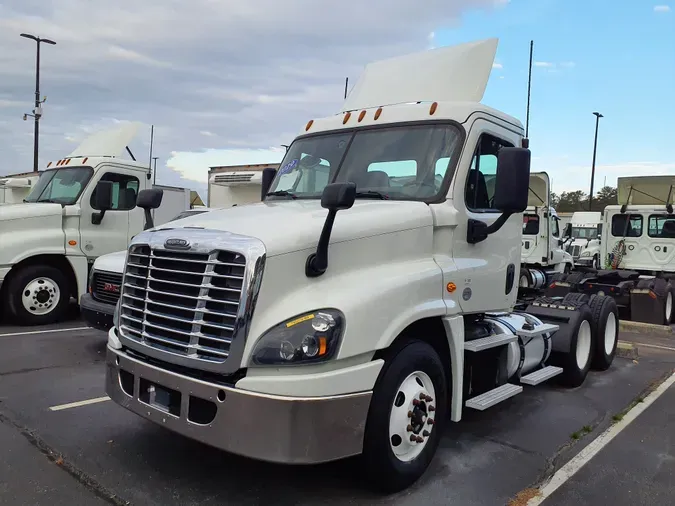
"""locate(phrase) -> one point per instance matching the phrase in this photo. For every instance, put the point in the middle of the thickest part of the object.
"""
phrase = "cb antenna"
(526, 140)
(346, 84)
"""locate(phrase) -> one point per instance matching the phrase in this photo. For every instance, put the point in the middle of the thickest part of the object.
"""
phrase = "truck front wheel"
(406, 417)
(38, 295)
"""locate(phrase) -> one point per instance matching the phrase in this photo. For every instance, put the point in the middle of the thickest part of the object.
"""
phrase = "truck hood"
(286, 226)
(26, 210)
(112, 262)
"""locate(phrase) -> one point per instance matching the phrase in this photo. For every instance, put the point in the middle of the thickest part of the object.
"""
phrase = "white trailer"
(235, 185)
(15, 188)
(81, 207)
(349, 318)
(542, 253)
(174, 200)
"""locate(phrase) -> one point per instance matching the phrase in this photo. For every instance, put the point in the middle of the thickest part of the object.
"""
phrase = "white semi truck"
(354, 315)
(637, 252)
(582, 238)
(81, 207)
(542, 253)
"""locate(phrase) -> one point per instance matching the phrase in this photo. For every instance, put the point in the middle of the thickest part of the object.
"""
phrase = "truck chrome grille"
(182, 303)
(106, 286)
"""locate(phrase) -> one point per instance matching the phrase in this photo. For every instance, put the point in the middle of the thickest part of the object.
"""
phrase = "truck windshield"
(60, 186)
(584, 233)
(398, 163)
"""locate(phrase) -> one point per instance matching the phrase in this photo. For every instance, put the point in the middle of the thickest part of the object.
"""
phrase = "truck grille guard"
(188, 296)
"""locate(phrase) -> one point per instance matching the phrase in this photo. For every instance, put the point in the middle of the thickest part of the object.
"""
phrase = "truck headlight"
(116, 313)
(586, 254)
(309, 338)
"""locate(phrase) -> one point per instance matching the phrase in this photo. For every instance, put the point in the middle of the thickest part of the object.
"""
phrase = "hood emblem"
(177, 243)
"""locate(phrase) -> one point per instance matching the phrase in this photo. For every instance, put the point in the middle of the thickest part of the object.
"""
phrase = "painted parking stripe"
(655, 346)
(79, 403)
(584, 456)
(31, 332)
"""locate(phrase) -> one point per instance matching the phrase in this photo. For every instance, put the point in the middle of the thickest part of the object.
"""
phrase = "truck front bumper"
(97, 314)
(291, 430)
(585, 261)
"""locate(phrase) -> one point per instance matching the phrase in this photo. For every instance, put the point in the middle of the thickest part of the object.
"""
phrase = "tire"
(581, 340)
(664, 290)
(668, 315)
(557, 277)
(576, 277)
(567, 269)
(37, 295)
(392, 403)
(524, 277)
(575, 297)
(605, 329)
(596, 262)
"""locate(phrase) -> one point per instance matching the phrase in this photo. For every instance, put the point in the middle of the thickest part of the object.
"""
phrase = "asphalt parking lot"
(98, 453)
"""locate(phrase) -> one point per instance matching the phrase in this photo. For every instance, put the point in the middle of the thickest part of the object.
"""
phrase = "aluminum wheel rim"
(412, 417)
(583, 344)
(669, 306)
(40, 296)
(524, 283)
(610, 333)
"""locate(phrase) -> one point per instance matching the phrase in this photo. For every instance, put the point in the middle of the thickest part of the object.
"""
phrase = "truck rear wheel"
(577, 361)
(606, 330)
(38, 295)
(406, 417)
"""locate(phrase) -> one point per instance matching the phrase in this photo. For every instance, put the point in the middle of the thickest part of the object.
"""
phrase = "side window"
(625, 225)
(480, 185)
(125, 191)
(661, 226)
(555, 228)
(530, 224)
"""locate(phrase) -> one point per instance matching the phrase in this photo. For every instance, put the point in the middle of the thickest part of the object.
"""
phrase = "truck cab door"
(555, 249)
(112, 234)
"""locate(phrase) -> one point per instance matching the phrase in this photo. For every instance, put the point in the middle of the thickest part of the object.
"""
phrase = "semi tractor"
(582, 238)
(358, 314)
(82, 206)
(637, 249)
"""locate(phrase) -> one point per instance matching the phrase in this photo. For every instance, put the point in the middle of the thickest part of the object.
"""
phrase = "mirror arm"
(317, 263)
(97, 218)
(478, 231)
(498, 223)
(149, 223)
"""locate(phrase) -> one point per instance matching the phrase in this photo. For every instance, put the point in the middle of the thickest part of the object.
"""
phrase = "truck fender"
(454, 332)
(81, 272)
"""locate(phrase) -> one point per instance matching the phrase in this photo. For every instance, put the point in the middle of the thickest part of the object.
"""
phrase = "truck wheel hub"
(40, 296)
(412, 416)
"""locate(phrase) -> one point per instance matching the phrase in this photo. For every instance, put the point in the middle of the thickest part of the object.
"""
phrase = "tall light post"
(595, 148)
(37, 112)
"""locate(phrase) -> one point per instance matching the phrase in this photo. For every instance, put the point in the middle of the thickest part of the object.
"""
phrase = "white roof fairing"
(447, 74)
(111, 142)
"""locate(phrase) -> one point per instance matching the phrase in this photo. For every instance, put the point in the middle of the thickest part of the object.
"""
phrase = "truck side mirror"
(568, 230)
(512, 185)
(102, 200)
(599, 231)
(268, 175)
(335, 197)
(149, 199)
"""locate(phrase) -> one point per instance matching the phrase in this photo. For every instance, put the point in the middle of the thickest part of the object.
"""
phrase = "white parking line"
(655, 346)
(568, 470)
(79, 403)
(43, 331)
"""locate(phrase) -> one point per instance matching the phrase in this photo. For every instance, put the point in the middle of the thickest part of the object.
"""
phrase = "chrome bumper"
(289, 430)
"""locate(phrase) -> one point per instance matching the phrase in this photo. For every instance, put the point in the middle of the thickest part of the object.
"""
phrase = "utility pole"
(37, 112)
(595, 148)
(154, 159)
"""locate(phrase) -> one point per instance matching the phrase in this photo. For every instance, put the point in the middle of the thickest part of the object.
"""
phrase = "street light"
(595, 148)
(37, 112)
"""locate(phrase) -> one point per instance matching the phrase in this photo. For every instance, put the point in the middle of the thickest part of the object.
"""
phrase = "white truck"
(637, 252)
(81, 207)
(235, 187)
(582, 238)
(353, 316)
(541, 251)
(14, 188)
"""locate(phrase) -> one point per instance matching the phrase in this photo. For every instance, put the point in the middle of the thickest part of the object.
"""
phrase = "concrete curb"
(627, 350)
(645, 328)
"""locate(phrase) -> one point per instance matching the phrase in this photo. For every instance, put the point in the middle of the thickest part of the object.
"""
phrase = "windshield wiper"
(372, 194)
(281, 193)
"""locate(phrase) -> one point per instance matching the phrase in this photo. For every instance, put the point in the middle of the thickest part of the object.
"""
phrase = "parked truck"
(235, 185)
(637, 252)
(354, 313)
(82, 206)
(582, 238)
(14, 188)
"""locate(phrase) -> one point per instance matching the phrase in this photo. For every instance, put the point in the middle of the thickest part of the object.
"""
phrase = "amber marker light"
(451, 287)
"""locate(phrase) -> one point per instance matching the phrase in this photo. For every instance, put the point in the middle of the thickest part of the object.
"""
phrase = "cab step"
(485, 343)
(536, 377)
(544, 328)
(494, 396)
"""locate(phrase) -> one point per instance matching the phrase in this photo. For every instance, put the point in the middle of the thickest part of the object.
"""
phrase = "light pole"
(37, 112)
(154, 159)
(595, 148)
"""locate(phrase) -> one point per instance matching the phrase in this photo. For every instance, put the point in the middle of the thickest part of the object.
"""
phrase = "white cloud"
(661, 8)
(544, 64)
(498, 66)
(250, 73)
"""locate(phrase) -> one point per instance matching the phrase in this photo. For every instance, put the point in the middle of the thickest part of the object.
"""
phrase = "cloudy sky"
(227, 82)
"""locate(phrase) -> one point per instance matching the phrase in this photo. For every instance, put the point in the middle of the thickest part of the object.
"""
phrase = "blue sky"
(615, 57)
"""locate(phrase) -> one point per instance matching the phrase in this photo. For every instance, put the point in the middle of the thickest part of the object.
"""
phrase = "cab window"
(625, 225)
(480, 185)
(530, 224)
(661, 226)
(124, 193)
